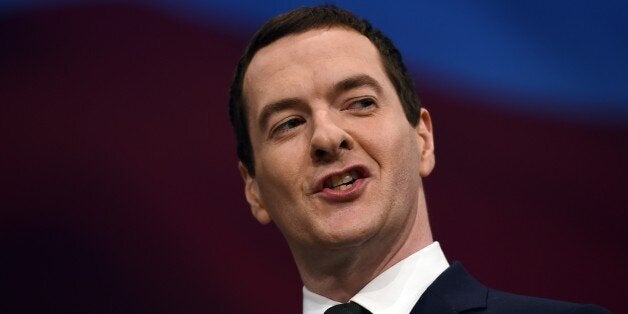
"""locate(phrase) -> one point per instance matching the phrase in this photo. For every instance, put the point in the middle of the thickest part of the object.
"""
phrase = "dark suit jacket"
(455, 291)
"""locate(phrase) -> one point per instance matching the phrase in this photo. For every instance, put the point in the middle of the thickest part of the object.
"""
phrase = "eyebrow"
(344, 85)
(356, 81)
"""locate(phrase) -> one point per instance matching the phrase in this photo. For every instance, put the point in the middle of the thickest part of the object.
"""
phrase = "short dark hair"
(299, 21)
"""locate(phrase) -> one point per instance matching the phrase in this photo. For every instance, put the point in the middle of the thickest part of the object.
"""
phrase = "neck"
(339, 274)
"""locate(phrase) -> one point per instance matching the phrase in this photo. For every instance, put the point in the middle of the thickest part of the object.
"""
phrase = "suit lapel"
(453, 291)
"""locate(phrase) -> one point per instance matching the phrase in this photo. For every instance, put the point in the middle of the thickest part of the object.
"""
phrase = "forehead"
(307, 63)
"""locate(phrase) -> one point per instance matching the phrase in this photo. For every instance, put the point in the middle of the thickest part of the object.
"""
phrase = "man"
(333, 146)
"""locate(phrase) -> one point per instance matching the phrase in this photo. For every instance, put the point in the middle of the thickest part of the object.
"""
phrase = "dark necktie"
(347, 308)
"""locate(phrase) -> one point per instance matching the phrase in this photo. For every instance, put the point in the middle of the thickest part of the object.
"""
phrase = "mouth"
(343, 180)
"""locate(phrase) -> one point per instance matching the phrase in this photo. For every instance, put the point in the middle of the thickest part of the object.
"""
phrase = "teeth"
(339, 182)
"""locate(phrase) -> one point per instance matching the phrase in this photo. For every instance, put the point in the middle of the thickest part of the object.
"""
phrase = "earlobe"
(251, 191)
(426, 143)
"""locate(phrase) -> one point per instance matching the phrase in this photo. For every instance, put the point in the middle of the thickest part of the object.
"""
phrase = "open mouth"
(342, 181)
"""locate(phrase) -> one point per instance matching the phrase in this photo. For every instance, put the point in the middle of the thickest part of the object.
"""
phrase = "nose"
(329, 139)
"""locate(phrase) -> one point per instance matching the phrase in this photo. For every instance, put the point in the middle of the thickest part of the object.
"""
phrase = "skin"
(339, 245)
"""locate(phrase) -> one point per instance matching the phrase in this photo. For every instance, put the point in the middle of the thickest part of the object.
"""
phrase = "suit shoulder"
(503, 302)
(456, 291)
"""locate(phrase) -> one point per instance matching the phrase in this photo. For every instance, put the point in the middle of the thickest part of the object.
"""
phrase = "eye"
(287, 125)
(362, 104)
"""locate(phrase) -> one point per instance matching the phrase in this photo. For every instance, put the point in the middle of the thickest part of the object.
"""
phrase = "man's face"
(336, 161)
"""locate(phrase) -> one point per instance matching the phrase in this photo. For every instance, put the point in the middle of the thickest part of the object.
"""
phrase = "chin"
(346, 237)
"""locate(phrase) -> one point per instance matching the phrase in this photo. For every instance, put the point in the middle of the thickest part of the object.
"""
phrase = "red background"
(120, 191)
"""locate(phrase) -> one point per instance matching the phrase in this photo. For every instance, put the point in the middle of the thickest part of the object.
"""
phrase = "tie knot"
(347, 308)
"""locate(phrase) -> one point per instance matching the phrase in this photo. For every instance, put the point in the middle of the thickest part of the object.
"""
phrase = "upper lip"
(361, 170)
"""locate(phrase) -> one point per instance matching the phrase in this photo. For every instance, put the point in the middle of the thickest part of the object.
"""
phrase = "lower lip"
(347, 195)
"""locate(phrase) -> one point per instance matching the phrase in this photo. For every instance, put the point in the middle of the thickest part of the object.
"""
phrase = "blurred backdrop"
(118, 180)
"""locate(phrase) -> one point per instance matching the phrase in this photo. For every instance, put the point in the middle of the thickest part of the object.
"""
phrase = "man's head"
(339, 151)
(299, 21)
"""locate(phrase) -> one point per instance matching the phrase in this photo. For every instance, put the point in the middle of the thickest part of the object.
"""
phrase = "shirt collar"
(396, 290)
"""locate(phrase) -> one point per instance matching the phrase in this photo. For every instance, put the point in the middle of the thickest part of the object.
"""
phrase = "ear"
(251, 191)
(426, 143)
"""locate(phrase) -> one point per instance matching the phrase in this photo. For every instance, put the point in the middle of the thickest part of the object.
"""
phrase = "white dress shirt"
(394, 291)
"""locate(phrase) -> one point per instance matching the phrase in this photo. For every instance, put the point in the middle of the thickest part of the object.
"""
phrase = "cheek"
(398, 156)
(288, 151)
(391, 145)
(278, 198)
(281, 171)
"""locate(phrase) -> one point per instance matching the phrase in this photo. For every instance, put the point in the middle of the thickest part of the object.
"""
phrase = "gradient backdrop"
(118, 181)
